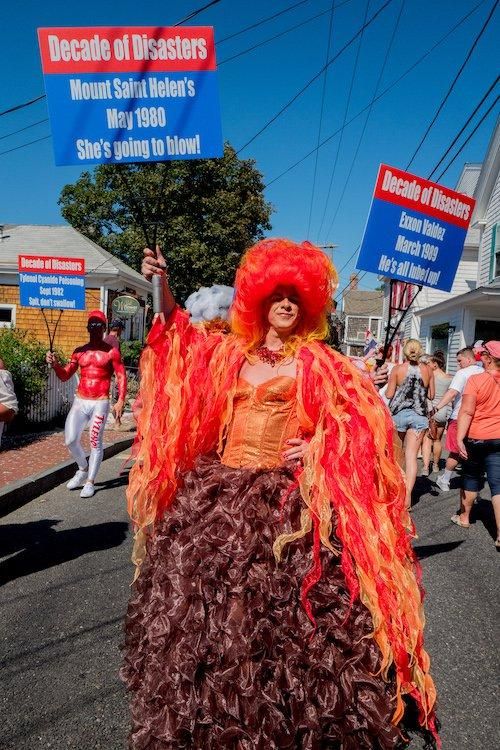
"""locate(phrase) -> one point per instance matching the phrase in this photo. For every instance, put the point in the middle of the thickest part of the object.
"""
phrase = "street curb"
(18, 493)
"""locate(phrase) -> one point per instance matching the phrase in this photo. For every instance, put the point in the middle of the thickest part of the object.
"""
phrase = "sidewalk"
(33, 463)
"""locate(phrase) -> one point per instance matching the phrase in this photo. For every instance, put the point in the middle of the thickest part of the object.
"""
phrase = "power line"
(346, 111)
(452, 85)
(365, 124)
(277, 36)
(483, 118)
(483, 99)
(320, 124)
(20, 130)
(196, 12)
(316, 76)
(381, 95)
(262, 21)
(30, 143)
(21, 106)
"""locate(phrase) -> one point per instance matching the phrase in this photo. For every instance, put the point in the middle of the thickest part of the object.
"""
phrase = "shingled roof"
(63, 240)
(358, 302)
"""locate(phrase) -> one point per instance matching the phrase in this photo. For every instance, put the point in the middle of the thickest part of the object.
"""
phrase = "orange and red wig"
(280, 262)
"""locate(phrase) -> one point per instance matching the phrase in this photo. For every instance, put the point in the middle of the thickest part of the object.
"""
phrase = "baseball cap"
(492, 348)
(116, 323)
(97, 315)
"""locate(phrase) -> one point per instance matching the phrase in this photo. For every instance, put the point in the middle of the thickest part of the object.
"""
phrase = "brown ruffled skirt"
(219, 652)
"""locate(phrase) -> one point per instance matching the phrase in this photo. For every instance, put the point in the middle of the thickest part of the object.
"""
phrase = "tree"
(204, 214)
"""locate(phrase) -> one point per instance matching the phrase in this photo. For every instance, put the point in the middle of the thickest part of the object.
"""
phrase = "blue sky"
(254, 87)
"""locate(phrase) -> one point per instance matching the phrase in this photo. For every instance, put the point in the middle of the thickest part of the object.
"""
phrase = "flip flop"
(457, 520)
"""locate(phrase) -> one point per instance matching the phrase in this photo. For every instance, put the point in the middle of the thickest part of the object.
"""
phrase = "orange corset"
(264, 419)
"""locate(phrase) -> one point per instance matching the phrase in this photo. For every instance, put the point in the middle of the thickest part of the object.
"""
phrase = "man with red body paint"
(97, 361)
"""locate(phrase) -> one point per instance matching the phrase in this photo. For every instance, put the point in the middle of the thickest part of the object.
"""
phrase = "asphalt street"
(65, 573)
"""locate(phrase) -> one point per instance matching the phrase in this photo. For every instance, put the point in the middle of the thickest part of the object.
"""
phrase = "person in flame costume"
(97, 362)
(277, 601)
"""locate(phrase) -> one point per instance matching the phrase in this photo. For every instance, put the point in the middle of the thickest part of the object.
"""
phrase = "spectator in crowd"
(477, 349)
(432, 442)
(467, 367)
(8, 400)
(379, 353)
(478, 436)
(115, 331)
(335, 328)
(410, 385)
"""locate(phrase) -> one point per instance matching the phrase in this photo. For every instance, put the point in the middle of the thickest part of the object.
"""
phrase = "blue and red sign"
(138, 94)
(415, 230)
(53, 283)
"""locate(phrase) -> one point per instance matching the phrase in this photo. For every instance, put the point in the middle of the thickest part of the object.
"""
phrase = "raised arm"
(154, 264)
(63, 372)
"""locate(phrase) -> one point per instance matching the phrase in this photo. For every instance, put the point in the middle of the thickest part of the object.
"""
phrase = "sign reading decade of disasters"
(415, 230)
(139, 94)
(53, 283)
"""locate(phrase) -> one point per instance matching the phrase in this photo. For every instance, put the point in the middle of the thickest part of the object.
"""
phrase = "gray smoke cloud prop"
(210, 302)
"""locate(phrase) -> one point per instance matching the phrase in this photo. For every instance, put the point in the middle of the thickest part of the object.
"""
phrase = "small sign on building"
(415, 230)
(52, 283)
(125, 306)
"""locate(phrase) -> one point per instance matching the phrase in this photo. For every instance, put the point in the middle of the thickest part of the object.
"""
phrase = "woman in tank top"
(433, 444)
(410, 385)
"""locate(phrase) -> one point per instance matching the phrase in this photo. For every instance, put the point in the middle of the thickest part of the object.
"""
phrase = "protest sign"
(51, 282)
(138, 94)
(415, 230)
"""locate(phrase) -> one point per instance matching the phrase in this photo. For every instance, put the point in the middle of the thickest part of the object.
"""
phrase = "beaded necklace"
(270, 356)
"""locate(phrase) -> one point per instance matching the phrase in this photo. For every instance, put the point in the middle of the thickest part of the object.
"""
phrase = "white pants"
(86, 412)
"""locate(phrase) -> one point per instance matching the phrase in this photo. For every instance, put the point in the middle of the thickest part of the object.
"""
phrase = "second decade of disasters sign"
(415, 230)
(52, 282)
(139, 94)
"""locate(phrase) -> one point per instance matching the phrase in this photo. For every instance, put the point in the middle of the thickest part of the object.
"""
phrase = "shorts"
(408, 419)
(451, 437)
(483, 458)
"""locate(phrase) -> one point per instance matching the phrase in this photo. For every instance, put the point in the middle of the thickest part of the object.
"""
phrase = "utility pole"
(331, 247)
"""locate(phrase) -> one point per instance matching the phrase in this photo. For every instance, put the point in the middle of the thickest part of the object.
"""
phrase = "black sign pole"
(392, 330)
(51, 334)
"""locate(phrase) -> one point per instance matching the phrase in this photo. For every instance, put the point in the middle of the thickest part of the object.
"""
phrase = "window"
(439, 338)
(486, 330)
(494, 271)
(7, 316)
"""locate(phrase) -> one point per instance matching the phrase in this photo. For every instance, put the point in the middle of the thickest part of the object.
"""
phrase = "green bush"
(131, 351)
(24, 357)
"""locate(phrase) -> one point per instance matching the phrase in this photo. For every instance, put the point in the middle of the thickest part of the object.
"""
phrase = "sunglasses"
(96, 324)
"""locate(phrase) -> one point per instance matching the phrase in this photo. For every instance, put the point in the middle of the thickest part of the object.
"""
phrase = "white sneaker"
(78, 480)
(88, 489)
(442, 483)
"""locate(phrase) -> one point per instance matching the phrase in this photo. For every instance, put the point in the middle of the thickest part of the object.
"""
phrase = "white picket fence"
(55, 400)
(57, 397)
